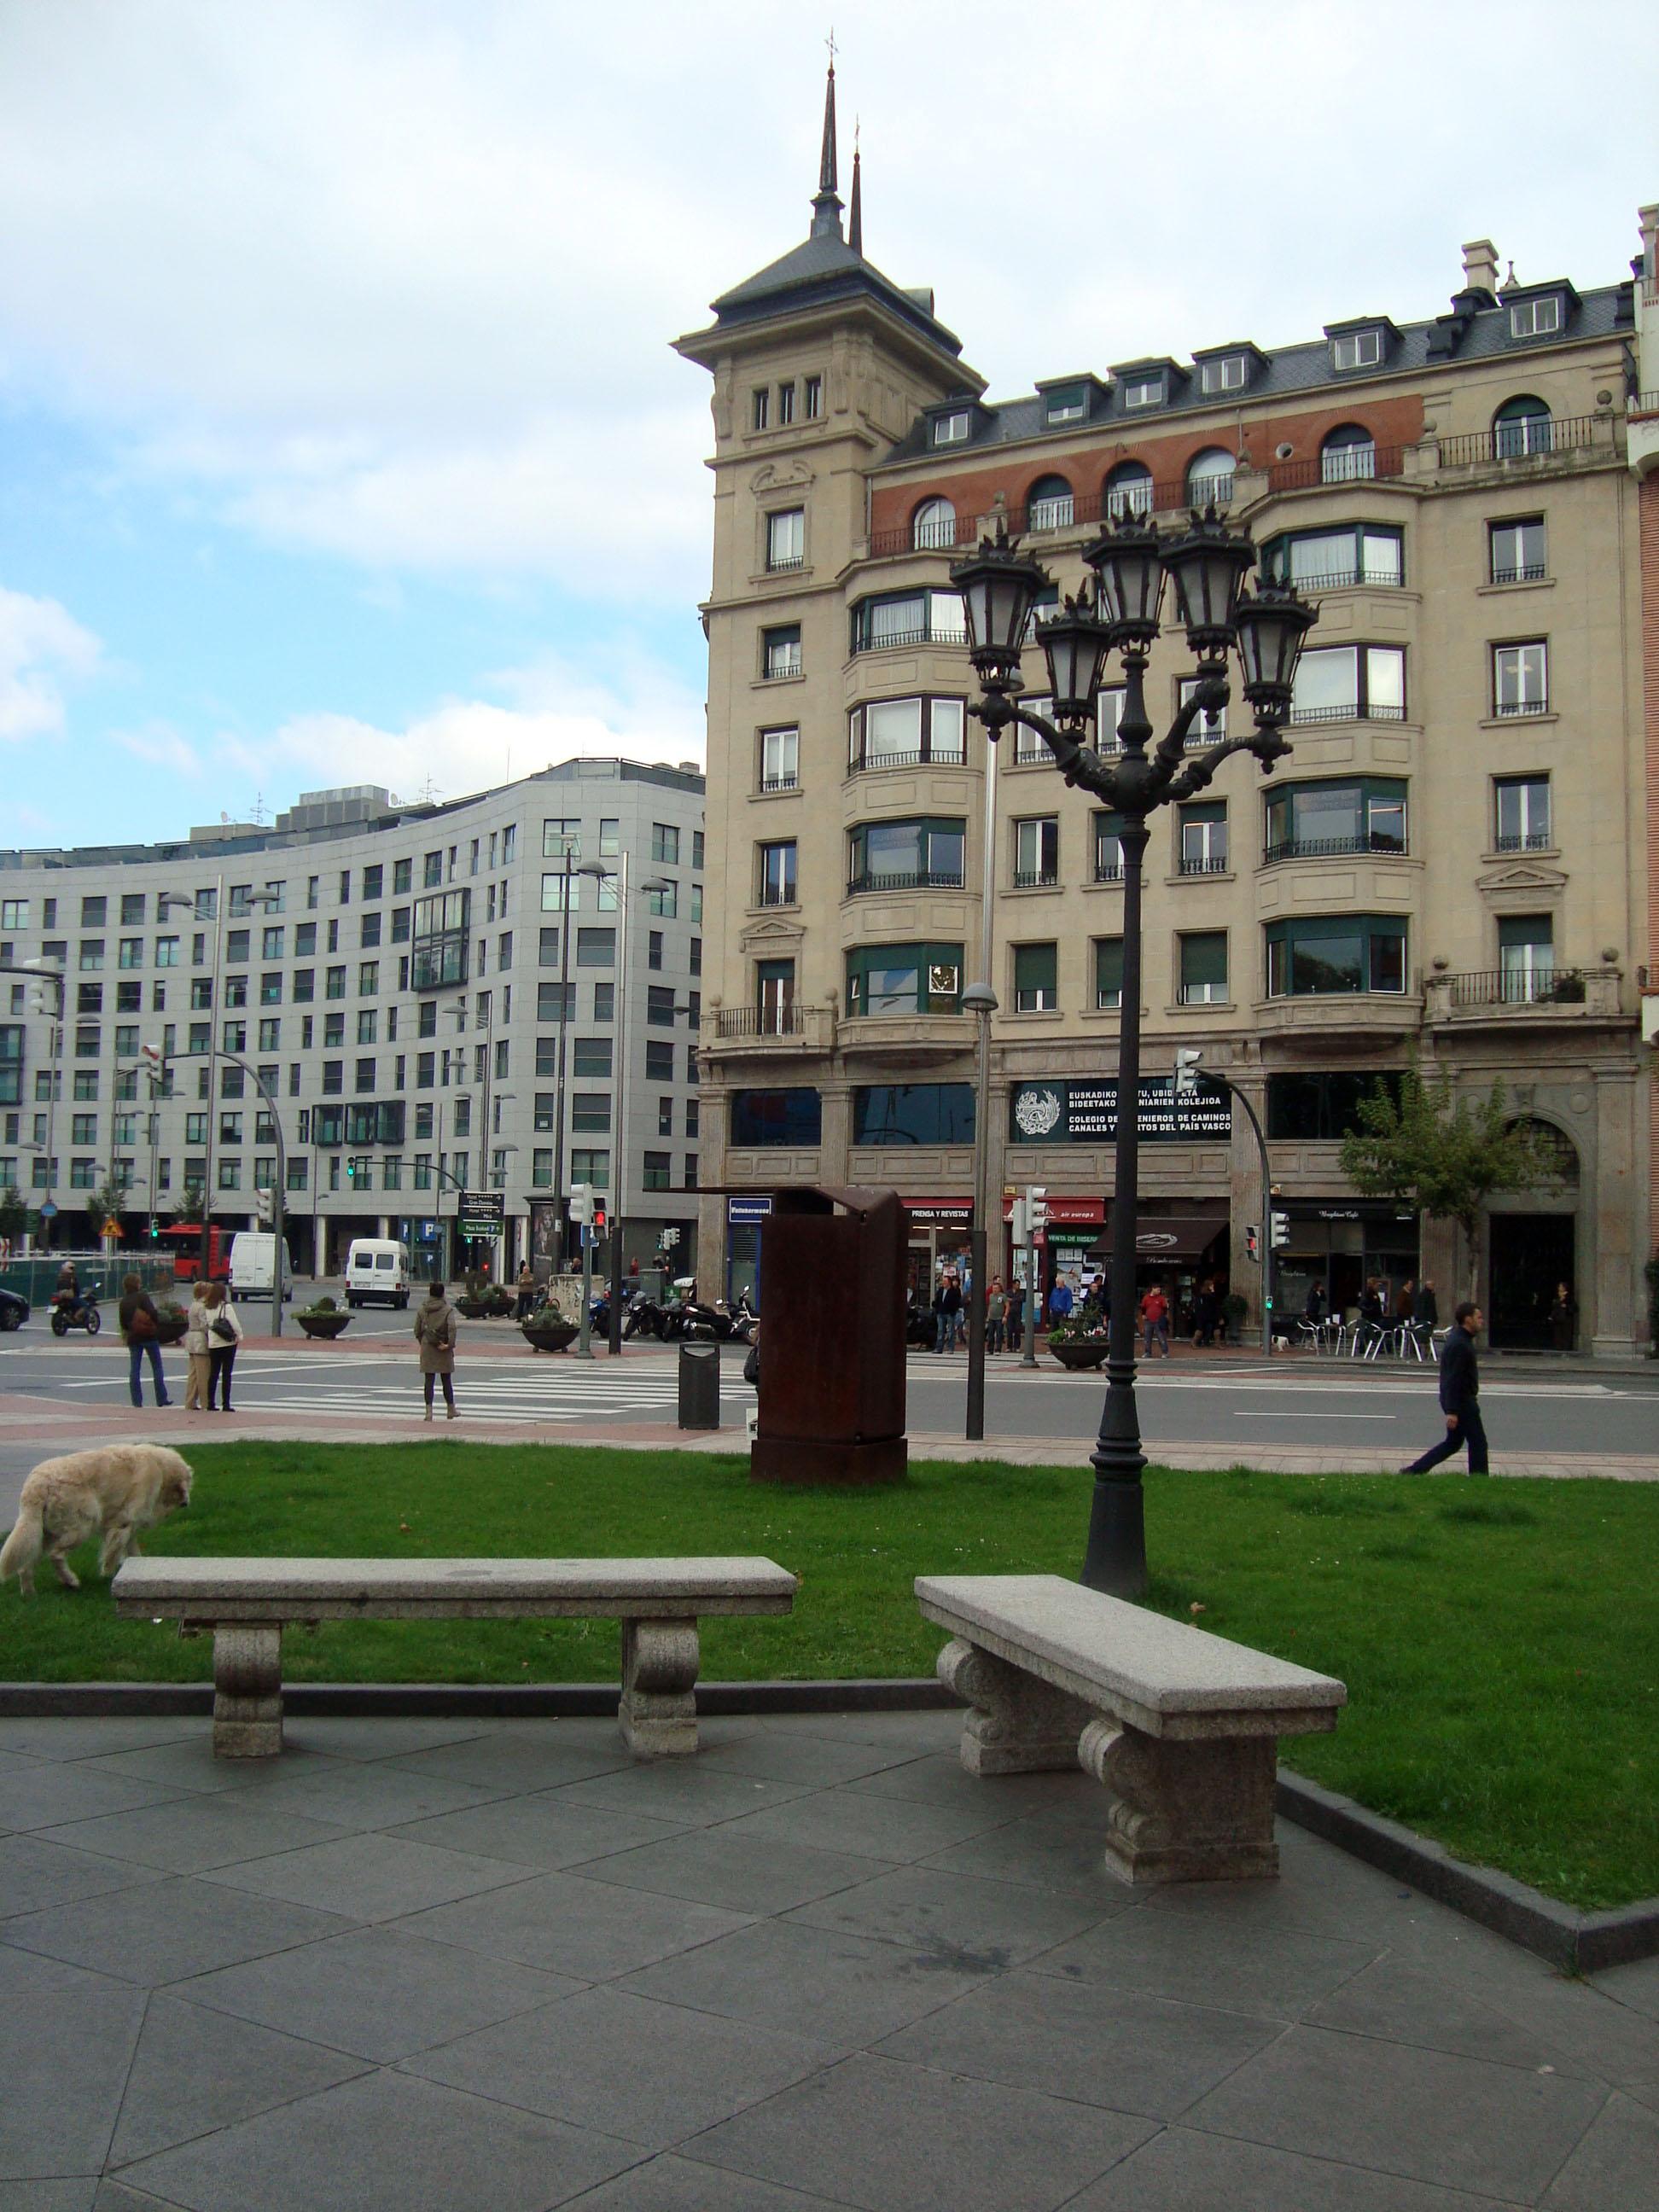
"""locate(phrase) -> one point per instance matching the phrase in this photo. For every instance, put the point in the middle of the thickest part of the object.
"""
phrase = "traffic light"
(597, 1222)
(1021, 1222)
(154, 1230)
(581, 1204)
(351, 1167)
(1281, 1224)
(1252, 1240)
(1186, 1070)
(1036, 1207)
(261, 1206)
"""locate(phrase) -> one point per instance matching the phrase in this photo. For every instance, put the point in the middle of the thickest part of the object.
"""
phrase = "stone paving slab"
(496, 1966)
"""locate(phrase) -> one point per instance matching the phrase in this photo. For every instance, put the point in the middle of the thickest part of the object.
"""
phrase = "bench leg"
(1018, 1725)
(659, 1710)
(247, 1691)
(1184, 1811)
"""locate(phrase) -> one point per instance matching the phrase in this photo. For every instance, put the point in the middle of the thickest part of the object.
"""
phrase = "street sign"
(480, 1212)
(48, 1212)
(112, 1227)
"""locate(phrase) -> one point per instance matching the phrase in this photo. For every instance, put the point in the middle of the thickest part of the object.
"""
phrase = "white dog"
(120, 1489)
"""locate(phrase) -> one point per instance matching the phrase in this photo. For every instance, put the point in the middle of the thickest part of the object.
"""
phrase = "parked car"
(14, 1310)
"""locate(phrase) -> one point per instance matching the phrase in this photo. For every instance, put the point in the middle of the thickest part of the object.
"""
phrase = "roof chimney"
(1481, 266)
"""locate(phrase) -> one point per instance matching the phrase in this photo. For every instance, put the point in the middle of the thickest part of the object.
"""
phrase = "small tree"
(187, 1207)
(1446, 1154)
(14, 1214)
(109, 1201)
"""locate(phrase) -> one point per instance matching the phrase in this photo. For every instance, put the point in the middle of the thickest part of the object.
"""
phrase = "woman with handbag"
(224, 1332)
(141, 1331)
(435, 1331)
(197, 1348)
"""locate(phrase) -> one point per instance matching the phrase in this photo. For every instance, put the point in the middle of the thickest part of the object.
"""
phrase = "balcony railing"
(1341, 579)
(1503, 709)
(1536, 438)
(1322, 848)
(1108, 872)
(783, 562)
(928, 633)
(787, 1020)
(1348, 713)
(777, 671)
(926, 538)
(789, 781)
(906, 880)
(1522, 986)
(1644, 403)
(1528, 841)
(1346, 464)
(1206, 864)
(1035, 880)
(1530, 571)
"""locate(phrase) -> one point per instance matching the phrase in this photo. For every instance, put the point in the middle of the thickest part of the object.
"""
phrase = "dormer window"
(1229, 374)
(1356, 349)
(952, 429)
(1535, 319)
(1069, 405)
(1143, 391)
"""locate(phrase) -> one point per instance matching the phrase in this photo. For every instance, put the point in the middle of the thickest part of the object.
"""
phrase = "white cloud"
(42, 647)
(158, 745)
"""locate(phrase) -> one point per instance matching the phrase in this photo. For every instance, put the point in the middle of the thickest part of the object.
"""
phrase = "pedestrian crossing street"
(511, 1394)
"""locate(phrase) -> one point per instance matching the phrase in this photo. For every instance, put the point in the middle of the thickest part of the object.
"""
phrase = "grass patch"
(1499, 1650)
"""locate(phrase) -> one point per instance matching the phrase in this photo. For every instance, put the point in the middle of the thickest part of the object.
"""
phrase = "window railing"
(783, 665)
(1206, 863)
(1359, 462)
(1535, 438)
(1350, 712)
(925, 537)
(906, 880)
(928, 633)
(788, 1019)
(1529, 572)
(1519, 987)
(1524, 841)
(1202, 994)
(1035, 880)
(862, 761)
(1322, 848)
(1502, 709)
(1339, 579)
(1108, 872)
(786, 780)
(776, 563)
(1210, 491)
(1644, 403)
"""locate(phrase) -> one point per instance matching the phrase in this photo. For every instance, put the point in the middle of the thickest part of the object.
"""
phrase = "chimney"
(1481, 266)
(1647, 221)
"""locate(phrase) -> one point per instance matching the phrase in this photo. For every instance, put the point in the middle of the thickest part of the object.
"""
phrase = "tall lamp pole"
(1131, 564)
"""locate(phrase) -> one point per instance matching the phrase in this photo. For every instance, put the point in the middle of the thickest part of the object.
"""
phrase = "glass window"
(1203, 966)
(1350, 683)
(787, 1117)
(1311, 821)
(786, 539)
(1347, 455)
(780, 652)
(1109, 848)
(596, 948)
(898, 979)
(1036, 851)
(560, 836)
(1203, 834)
(952, 429)
(1522, 427)
(1143, 391)
(775, 873)
(1526, 957)
(1321, 1108)
(759, 407)
(1523, 808)
(812, 397)
(1535, 319)
(1520, 679)
(914, 1114)
(590, 1163)
(1037, 984)
(909, 855)
(914, 617)
(934, 523)
(1517, 550)
(1128, 490)
(1356, 349)
(1108, 972)
(590, 1056)
(780, 759)
(1050, 504)
(590, 1110)
(1227, 374)
(666, 843)
(1325, 560)
(1210, 477)
(1326, 955)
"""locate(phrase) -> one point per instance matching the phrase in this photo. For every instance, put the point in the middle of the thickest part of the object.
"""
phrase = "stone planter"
(324, 1325)
(170, 1331)
(485, 1308)
(557, 1336)
(1079, 1351)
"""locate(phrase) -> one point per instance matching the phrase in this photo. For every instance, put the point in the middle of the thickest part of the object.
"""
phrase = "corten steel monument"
(832, 1338)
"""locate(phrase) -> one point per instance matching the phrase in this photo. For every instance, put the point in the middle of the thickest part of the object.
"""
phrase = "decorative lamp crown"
(1128, 565)
(999, 586)
(1075, 643)
(1272, 625)
(1209, 563)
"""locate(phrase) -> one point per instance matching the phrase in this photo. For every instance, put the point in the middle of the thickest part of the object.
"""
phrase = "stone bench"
(248, 1603)
(1180, 1726)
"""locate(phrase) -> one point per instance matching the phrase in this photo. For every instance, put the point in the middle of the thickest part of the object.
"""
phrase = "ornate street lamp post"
(1131, 566)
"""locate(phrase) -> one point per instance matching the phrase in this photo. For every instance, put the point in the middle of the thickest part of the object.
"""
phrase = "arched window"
(1048, 504)
(1522, 425)
(934, 523)
(1210, 477)
(1348, 454)
(1556, 1146)
(1129, 490)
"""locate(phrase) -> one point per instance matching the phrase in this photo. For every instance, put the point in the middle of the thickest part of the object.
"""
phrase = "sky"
(341, 440)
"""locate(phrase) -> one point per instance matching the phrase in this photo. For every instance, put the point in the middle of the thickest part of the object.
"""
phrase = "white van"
(252, 1257)
(377, 1273)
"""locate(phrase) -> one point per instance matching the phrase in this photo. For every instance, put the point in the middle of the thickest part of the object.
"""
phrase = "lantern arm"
(1073, 759)
(1265, 743)
(1209, 696)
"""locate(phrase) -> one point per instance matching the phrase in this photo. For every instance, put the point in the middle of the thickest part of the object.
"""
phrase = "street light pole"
(1130, 565)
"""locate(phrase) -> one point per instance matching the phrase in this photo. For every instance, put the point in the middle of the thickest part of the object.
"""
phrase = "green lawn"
(1496, 1638)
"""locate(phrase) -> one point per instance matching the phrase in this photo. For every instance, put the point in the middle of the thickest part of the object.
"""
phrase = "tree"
(187, 1207)
(14, 1213)
(1446, 1154)
(109, 1201)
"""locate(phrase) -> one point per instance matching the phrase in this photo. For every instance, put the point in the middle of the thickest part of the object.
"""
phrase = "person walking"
(1206, 1315)
(224, 1333)
(1016, 1316)
(525, 1287)
(141, 1331)
(1564, 1318)
(1155, 1319)
(951, 1306)
(197, 1349)
(1460, 1391)
(436, 1330)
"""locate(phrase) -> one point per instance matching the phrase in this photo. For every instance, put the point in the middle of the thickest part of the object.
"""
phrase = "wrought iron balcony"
(1322, 848)
(1206, 864)
(1036, 879)
(905, 879)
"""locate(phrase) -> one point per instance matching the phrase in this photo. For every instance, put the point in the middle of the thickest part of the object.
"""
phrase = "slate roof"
(1469, 332)
(825, 268)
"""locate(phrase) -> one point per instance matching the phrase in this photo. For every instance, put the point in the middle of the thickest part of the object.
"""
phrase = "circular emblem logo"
(1037, 1111)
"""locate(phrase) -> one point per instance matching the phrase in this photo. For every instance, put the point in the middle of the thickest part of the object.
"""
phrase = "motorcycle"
(920, 1329)
(645, 1318)
(75, 1309)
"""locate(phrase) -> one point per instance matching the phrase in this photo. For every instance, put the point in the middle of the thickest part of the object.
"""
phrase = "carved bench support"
(1018, 1725)
(1182, 1810)
(247, 1691)
(658, 1709)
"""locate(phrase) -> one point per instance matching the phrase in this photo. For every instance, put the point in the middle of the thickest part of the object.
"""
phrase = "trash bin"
(700, 1386)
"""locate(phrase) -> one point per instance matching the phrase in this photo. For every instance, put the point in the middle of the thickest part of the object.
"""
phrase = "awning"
(1187, 1235)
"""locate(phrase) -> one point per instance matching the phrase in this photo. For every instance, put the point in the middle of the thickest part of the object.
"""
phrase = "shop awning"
(1183, 1235)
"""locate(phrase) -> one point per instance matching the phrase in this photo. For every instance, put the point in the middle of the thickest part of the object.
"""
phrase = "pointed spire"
(826, 204)
(855, 213)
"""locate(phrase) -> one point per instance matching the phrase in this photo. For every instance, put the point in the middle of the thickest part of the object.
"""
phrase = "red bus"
(183, 1239)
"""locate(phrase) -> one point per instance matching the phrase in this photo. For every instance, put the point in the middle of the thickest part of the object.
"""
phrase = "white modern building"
(497, 994)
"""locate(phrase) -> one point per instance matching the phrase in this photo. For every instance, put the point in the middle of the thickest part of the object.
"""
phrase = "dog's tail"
(25, 1542)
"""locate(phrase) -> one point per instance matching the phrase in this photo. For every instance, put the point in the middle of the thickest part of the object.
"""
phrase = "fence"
(35, 1277)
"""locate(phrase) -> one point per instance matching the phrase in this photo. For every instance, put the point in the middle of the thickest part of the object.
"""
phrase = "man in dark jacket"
(1459, 1389)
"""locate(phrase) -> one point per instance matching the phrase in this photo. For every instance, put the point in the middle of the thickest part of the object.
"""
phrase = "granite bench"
(248, 1603)
(1180, 1726)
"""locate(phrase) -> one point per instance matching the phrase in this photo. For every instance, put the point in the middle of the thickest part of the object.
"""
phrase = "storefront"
(938, 1231)
(1180, 1244)
(744, 1217)
(1341, 1244)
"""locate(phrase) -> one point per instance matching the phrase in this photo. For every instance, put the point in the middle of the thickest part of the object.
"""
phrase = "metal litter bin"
(700, 1386)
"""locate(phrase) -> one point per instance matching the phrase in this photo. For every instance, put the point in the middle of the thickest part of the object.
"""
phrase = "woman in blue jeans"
(141, 1332)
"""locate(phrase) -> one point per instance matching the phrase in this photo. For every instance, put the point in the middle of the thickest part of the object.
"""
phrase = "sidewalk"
(493, 1968)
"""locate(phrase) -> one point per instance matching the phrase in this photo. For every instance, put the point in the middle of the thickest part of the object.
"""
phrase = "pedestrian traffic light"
(1186, 1070)
(1036, 1207)
(597, 1218)
(581, 1204)
(1281, 1231)
(1252, 1240)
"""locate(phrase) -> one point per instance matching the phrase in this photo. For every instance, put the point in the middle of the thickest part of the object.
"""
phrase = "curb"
(1580, 1943)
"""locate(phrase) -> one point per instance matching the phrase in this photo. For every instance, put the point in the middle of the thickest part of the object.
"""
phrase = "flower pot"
(485, 1308)
(1076, 1352)
(324, 1325)
(556, 1336)
(169, 1331)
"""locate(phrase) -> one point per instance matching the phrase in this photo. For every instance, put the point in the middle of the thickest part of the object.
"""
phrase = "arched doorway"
(1531, 1252)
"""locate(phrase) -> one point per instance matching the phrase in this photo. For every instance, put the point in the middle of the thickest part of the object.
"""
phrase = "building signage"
(480, 1212)
(939, 1212)
(1080, 1112)
(748, 1209)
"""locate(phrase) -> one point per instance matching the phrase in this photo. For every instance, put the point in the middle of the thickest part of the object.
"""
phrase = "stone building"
(1455, 862)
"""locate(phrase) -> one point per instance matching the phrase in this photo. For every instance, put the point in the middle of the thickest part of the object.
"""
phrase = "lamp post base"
(1115, 1560)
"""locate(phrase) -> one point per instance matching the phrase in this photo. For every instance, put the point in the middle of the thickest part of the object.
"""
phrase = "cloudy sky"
(340, 439)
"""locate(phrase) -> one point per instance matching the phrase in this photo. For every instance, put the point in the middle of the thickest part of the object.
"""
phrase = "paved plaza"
(455, 1964)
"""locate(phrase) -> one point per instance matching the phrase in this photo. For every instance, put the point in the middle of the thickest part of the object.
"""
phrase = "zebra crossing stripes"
(568, 1395)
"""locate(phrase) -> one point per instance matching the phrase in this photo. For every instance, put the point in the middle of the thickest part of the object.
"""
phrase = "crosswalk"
(514, 1396)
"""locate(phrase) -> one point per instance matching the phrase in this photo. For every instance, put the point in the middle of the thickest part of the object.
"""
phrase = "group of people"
(213, 1330)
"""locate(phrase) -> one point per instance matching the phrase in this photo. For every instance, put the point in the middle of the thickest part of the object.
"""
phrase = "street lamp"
(1131, 564)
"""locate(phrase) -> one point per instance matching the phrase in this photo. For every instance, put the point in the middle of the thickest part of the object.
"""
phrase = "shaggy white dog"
(120, 1488)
